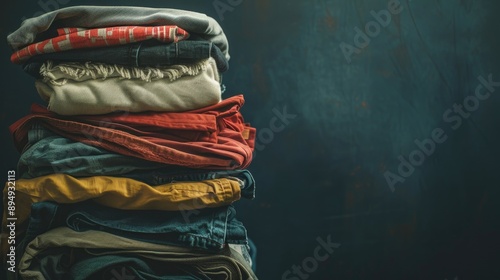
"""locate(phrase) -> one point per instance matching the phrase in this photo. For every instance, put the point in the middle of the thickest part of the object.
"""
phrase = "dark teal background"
(323, 174)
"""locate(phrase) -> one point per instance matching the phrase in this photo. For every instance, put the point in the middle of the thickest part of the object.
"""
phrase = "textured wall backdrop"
(378, 131)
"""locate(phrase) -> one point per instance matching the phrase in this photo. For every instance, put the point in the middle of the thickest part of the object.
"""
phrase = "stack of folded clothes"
(131, 169)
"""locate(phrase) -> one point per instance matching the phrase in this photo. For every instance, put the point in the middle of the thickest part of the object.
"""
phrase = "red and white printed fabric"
(77, 38)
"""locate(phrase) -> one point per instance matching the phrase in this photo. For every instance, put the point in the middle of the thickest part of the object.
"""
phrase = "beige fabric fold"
(93, 89)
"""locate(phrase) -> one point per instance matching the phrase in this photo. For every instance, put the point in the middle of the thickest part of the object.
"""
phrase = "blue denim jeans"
(207, 229)
(143, 54)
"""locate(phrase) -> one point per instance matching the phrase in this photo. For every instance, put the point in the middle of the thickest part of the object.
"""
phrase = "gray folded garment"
(212, 265)
(197, 24)
(96, 88)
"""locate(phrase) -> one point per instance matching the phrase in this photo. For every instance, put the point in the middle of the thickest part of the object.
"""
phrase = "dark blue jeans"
(207, 229)
(143, 54)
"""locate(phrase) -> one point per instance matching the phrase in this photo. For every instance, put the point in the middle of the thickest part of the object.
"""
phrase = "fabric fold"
(80, 38)
(207, 229)
(230, 146)
(64, 72)
(87, 16)
(96, 88)
(123, 193)
(227, 265)
(148, 53)
(49, 153)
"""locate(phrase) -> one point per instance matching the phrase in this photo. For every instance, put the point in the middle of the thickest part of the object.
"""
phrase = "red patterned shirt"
(77, 38)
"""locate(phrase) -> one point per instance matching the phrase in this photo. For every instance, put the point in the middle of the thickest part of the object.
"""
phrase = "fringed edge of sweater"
(52, 72)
